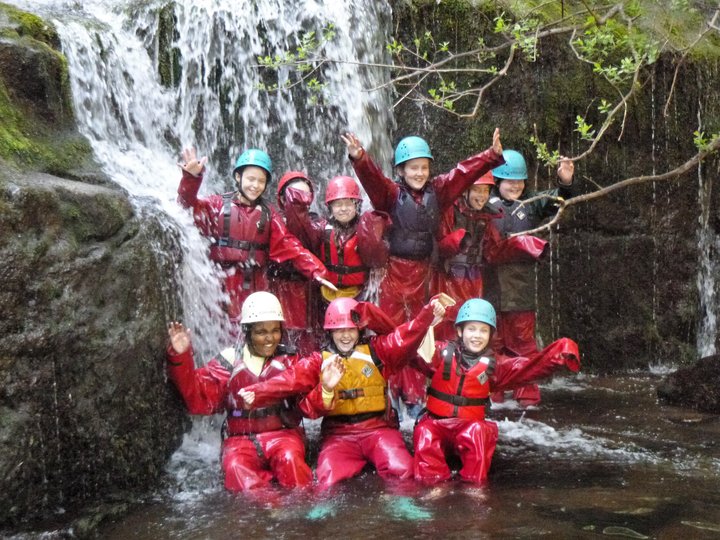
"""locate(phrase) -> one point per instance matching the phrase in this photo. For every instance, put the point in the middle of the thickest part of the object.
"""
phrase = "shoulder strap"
(447, 356)
(227, 211)
(226, 358)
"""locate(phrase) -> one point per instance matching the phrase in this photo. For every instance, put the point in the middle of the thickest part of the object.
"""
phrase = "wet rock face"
(86, 412)
(621, 276)
(695, 386)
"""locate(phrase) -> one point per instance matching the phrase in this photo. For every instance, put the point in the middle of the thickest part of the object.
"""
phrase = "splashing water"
(137, 126)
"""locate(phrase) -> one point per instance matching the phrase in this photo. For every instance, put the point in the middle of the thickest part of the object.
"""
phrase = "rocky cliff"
(86, 413)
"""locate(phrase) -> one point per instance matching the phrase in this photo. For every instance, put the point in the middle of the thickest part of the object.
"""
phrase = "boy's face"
(345, 339)
(477, 196)
(265, 336)
(415, 172)
(475, 336)
(343, 210)
(252, 181)
(510, 190)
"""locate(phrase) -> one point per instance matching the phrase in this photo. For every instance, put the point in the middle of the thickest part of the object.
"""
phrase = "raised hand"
(354, 146)
(438, 309)
(332, 373)
(566, 169)
(179, 337)
(191, 163)
(496, 144)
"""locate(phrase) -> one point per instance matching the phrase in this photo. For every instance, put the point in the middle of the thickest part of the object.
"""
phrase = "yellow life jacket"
(362, 387)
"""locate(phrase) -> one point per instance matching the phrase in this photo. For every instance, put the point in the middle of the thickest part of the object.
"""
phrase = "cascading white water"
(709, 254)
(137, 126)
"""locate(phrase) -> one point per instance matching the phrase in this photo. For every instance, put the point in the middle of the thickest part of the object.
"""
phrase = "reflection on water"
(599, 457)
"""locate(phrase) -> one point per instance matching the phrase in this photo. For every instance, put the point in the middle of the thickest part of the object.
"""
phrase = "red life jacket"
(345, 268)
(243, 234)
(456, 391)
(274, 416)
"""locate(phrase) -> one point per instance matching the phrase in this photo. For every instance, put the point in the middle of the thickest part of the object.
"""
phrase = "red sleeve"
(398, 347)
(523, 248)
(285, 247)
(449, 186)
(428, 369)
(513, 372)
(382, 191)
(206, 212)
(299, 378)
(306, 229)
(312, 404)
(372, 246)
(450, 237)
(203, 389)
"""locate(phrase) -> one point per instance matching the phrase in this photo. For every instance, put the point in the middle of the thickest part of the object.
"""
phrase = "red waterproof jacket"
(208, 390)
(393, 350)
(384, 193)
(341, 250)
(256, 232)
(509, 373)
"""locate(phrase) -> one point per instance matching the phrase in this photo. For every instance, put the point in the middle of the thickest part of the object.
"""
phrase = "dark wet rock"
(696, 386)
(87, 417)
(86, 412)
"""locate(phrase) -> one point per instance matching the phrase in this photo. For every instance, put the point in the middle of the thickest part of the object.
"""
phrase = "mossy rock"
(39, 130)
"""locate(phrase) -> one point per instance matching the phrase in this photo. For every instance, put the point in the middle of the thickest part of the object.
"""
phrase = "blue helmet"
(258, 158)
(514, 167)
(478, 310)
(411, 148)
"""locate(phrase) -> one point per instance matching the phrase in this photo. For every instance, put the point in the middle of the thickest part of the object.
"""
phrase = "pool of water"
(599, 457)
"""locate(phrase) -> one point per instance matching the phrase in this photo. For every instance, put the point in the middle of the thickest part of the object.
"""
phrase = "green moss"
(31, 137)
(168, 56)
(28, 142)
(28, 24)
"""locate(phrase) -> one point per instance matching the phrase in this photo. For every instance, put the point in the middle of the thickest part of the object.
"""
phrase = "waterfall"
(709, 254)
(138, 124)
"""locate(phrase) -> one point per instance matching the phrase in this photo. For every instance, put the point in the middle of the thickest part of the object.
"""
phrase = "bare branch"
(681, 61)
(669, 175)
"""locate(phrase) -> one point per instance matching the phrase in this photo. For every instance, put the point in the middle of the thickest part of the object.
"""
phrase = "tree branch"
(669, 175)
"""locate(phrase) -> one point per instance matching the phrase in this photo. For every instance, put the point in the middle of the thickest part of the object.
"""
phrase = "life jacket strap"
(351, 393)
(458, 401)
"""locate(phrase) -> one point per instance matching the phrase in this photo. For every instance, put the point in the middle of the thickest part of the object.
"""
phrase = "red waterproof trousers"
(251, 461)
(345, 451)
(402, 295)
(515, 336)
(473, 441)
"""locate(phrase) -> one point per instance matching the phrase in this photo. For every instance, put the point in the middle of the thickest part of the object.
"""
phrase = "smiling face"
(252, 181)
(415, 172)
(475, 336)
(265, 336)
(510, 190)
(477, 196)
(343, 210)
(345, 339)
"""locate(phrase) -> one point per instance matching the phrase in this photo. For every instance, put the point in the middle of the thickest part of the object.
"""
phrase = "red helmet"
(486, 179)
(288, 178)
(342, 187)
(338, 313)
